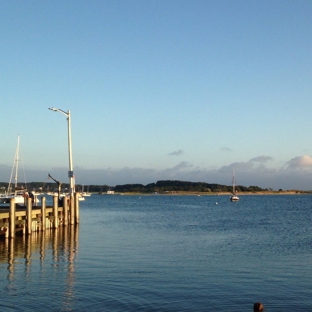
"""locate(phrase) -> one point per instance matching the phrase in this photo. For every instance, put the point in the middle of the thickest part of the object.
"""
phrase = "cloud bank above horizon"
(294, 174)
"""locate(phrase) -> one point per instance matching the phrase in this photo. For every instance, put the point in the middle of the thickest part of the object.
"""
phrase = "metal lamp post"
(70, 172)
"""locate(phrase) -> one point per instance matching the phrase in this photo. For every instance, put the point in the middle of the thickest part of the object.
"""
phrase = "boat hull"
(234, 198)
(18, 199)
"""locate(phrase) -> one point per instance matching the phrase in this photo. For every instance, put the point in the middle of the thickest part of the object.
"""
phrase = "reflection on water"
(35, 253)
(166, 253)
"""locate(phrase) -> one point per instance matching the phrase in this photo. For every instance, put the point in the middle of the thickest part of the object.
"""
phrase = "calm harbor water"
(166, 253)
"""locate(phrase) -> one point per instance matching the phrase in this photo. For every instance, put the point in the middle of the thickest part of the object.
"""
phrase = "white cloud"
(238, 166)
(300, 162)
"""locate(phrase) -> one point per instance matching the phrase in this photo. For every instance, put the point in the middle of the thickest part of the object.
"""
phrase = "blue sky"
(158, 90)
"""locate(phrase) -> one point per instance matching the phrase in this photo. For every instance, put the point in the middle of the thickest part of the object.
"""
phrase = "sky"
(158, 90)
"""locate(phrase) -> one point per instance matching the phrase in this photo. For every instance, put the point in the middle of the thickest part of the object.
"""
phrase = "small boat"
(62, 195)
(81, 197)
(19, 194)
(234, 197)
(19, 197)
(84, 194)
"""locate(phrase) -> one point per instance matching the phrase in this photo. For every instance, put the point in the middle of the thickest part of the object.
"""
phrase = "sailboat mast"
(16, 162)
(14, 166)
(233, 181)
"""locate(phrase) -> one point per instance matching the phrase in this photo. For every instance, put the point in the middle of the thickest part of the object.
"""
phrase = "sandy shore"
(222, 193)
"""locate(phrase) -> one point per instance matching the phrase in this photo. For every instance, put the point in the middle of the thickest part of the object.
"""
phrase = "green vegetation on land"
(161, 187)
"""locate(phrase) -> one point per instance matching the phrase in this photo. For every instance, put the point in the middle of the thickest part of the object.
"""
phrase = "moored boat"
(19, 194)
(234, 197)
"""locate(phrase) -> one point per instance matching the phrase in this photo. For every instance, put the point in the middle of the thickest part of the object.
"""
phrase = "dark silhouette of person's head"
(258, 307)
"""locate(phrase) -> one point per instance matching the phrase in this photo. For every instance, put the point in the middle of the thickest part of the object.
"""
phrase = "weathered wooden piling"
(55, 212)
(77, 208)
(11, 231)
(65, 211)
(43, 213)
(72, 210)
(29, 218)
(29, 215)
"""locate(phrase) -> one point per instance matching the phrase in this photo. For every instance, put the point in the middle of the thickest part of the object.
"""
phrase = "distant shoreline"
(192, 193)
(214, 194)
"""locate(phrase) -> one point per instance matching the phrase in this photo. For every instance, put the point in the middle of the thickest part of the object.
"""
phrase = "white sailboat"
(83, 193)
(234, 197)
(18, 195)
(81, 196)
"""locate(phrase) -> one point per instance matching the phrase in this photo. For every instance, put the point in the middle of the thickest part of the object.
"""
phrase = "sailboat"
(18, 195)
(83, 193)
(234, 197)
(80, 194)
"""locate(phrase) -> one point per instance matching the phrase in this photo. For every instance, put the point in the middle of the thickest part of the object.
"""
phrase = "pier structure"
(30, 218)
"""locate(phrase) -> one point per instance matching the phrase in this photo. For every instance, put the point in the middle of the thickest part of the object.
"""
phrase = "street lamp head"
(60, 111)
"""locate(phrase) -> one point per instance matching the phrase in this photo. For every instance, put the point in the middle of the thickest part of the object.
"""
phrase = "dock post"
(55, 212)
(72, 210)
(43, 213)
(65, 211)
(12, 218)
(77, 208)
(6, 234)
(29, 215)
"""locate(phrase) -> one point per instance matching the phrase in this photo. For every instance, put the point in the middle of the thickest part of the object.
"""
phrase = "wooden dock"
(29, 218)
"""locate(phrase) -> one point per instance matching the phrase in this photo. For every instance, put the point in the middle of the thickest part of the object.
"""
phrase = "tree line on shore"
(162, 186)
